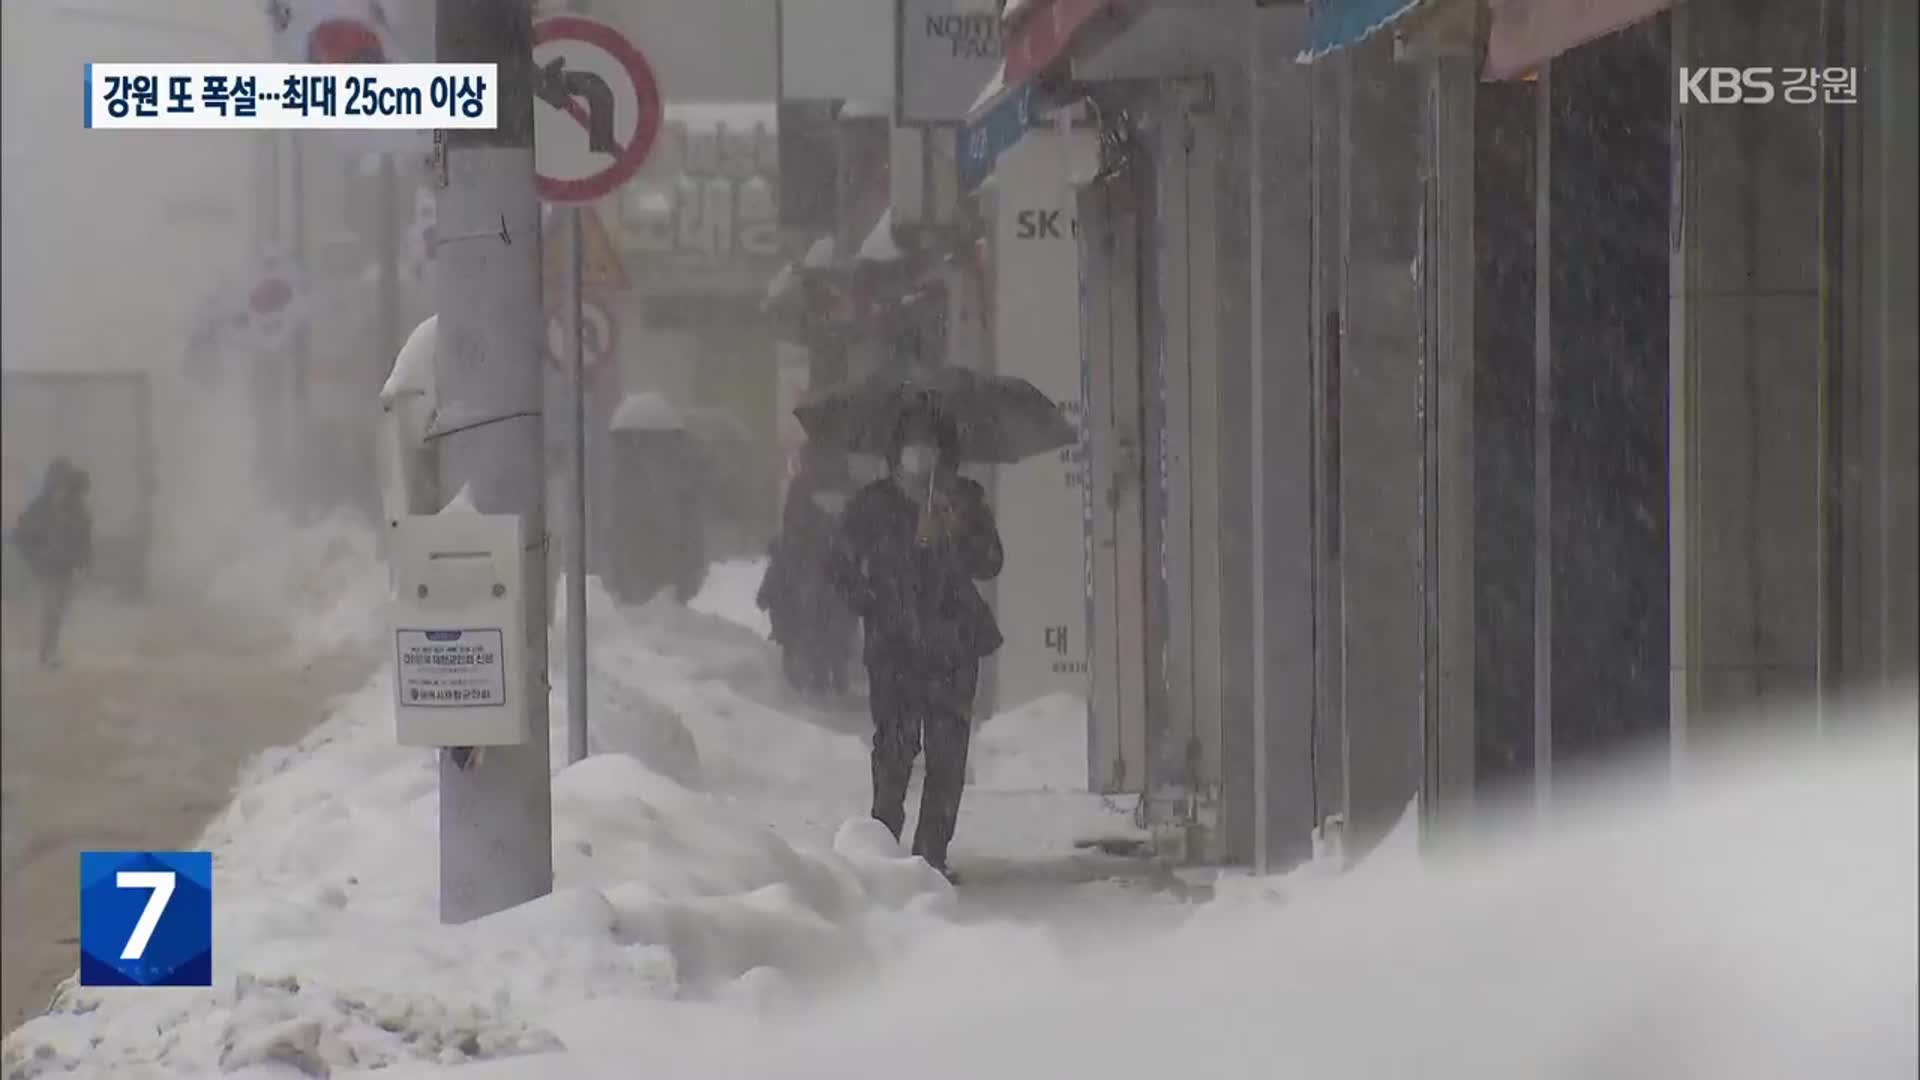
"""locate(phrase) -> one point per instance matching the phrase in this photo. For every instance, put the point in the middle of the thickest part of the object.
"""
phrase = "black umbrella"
(997, 419)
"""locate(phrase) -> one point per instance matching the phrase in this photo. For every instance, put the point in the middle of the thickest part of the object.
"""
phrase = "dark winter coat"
(55, 533)
(798, 592)
(919, 603)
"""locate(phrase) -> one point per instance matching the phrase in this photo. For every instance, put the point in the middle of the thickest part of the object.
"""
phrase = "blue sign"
(983, 140)
(146, 918)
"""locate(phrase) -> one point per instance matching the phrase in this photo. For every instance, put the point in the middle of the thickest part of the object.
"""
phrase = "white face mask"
(918, 460)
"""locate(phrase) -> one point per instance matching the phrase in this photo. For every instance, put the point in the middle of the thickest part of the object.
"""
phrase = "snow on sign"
(598, 111)
(451, 669)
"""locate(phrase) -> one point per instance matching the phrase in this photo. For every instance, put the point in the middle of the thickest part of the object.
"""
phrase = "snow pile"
(1759, 923)
(1040, 746)
(329, 954)
(314, 589)
(707, 851)
(729, 594)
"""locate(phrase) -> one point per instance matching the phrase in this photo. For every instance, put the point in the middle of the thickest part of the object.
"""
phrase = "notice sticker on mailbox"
(451, 669)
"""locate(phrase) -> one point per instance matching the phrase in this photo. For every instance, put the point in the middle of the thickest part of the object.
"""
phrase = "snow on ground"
(723, 909)
(729, 591)
(715, 849)
(1757, 924)
(1041, 746)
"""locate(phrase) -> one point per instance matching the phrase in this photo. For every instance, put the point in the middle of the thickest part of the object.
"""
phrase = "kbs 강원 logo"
(146, 918)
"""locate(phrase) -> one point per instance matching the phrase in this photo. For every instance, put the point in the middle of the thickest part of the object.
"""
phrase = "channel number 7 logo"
(146, 918)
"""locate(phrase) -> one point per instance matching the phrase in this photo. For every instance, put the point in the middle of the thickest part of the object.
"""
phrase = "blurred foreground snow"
(722, 908)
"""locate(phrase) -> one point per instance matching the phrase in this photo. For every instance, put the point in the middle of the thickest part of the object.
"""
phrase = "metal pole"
(577, 502)
(577, 492)
(1337, 476)
(294, 443)
(496, 806)
(1542, 443)
(266, 383)
(387, 236)
(1256, 335)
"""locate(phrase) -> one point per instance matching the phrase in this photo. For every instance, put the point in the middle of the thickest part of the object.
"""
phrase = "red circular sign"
(638, 144)
(270, 296)
(345, 41)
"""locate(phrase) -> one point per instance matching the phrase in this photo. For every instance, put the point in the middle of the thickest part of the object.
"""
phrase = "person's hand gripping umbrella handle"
(929, 526)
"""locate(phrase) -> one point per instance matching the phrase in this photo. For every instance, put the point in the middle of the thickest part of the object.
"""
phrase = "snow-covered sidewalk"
(724, 909)
(714, 849)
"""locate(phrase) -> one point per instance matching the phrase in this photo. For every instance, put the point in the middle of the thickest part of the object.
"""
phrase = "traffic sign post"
(603, 118)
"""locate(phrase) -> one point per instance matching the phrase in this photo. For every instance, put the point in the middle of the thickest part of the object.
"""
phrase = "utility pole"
(496, 805)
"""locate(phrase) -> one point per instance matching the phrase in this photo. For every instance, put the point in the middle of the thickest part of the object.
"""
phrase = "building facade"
(1465, 406)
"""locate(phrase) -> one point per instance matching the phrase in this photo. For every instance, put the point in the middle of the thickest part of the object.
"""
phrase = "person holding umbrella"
(912, 546)
(810, 623)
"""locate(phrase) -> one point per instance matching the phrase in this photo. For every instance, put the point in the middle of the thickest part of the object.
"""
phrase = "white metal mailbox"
(458, 630)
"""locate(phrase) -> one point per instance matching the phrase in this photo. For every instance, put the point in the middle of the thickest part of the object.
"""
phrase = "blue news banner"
(146, 918)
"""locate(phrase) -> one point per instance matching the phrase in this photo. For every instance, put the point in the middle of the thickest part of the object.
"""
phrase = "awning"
(1523, 34)
(1042, 32)
(1008, 115)
(1335, 24)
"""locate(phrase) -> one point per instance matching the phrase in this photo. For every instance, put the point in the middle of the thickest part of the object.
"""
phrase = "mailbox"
(459, 630)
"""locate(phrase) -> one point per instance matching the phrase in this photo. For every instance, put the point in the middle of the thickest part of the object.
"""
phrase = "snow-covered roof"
(647, 412)
(732, 115)
(819, 254)
(864, 109)
(879, 246)
(413, 369)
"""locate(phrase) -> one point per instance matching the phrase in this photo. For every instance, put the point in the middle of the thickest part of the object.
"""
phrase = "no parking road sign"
(599, 112)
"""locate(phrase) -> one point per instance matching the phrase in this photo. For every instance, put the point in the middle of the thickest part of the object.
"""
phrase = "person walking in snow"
(811, 622)
(55, 538)
(912, 545)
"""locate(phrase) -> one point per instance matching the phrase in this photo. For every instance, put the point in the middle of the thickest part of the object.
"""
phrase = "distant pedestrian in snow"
(810, 619)
(55, 538)
(913, 544)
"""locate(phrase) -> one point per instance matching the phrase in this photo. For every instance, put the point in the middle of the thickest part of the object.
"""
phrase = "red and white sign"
(343, 32)
(276, 305)
(599, 335)
(332, 32)
(596, 109)
(1044, 34)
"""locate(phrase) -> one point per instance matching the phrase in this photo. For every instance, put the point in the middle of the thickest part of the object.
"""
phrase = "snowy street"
(134, 752)
(138, 740)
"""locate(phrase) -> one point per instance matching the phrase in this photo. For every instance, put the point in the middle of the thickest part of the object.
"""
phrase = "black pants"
(912, 704)
(56, 595)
